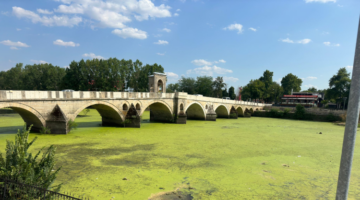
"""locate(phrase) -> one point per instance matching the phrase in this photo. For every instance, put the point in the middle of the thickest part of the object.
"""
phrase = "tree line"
(105, 75)
(204, 85)
(270, 91)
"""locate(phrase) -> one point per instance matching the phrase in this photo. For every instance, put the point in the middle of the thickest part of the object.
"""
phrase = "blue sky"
(236, 39)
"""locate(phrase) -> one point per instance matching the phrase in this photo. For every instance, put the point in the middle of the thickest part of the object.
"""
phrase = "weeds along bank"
(302, 113)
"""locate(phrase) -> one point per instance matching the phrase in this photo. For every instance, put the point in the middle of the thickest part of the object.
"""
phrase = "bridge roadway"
(54, 109)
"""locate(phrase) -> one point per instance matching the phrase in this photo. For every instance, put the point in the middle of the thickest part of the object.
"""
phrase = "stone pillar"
(181, 118)
(132, 118)
(233, 113)
(57, 122)
(210, 114)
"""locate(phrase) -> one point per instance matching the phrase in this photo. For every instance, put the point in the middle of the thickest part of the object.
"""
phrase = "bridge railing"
(218, 100)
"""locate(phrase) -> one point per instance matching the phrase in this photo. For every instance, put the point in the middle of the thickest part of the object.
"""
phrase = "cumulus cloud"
(208, 71)
(201, 62)
(329, 44)
(161, 42)
(46, 21)
(160, 54)
(278, 80)
(14, 45)
(45, 12)
(222, 61)
(310, 78)
(130, 33)
(176, 14)
(320, 1)
(230, 79)
(303, 41)
(166, 30)
(92, 55)
(38, 61)
(172, 77)
(253, 29)
(349, 67)
(18, 29)
(235, 26)
(178, 10)
(62, 43)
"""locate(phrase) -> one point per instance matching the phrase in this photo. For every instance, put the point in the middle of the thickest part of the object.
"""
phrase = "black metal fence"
(13, 190)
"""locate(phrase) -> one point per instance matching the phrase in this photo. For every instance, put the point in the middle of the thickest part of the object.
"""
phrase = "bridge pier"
(210, 114)
(233, 113)
(132, 118)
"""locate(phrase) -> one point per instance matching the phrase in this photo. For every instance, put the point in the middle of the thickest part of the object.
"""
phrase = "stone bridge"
(54, 109)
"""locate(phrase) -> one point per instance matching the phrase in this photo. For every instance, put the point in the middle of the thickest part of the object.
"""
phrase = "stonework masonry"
(54, 109)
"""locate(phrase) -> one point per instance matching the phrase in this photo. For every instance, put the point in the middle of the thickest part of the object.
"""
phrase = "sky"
(235, 39)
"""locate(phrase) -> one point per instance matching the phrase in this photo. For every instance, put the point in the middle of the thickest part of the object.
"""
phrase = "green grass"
(245, 158)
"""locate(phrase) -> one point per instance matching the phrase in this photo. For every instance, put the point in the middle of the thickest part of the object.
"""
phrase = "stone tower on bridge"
(157, 82)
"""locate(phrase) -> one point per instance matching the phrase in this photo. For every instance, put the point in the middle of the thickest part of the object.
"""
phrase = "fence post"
(352, 118)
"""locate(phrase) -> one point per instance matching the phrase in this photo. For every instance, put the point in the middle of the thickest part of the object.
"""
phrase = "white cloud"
(130, 33)
(303, 41)
(309, 86)
(234, 27)
(46, 21)
(178, 10)
(45, 12)
(329, 44)
(230, 79)
(176, 14)
(278, 80)
(62, 43)
(38, 61)
(222, 61)
(172, 77)
(201, 62)
(14, 45)
(92, 55)
(157, 35)
(320, 1)
(66, 67)
(253, 29)
(349, 67)
(160, 54)
(18, 29)
(166, 30)
(310, 78)
(208, 71)
(161, 42)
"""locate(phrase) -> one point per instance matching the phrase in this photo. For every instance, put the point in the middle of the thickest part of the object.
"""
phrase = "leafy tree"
(254, 90)
(225, 93)
(203, 85)
(146, 71)
(232, 94)
(187, 85)
(22, 166)
(172, 87)
(42, 77)
(312, 89)
(274, 92)
(289, 82)
(14, 78)
(218, 86)
(339, 85)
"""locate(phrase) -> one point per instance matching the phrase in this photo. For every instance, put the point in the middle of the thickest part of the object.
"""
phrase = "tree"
(187, 85)
(254, 90)
(218, 85)
(225, 93)
(203, 85)
(268, 81)
(275, 92)
(172, 87)
(232, 94)
(22, 166)
(339, 86)
(289, 82)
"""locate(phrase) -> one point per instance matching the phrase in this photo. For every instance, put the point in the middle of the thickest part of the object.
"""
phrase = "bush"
(45, 130)
(286, 111)
(300, 112)
(21, 166)
(233, 115)
(86, 111)
(343, 117)
(276, 113)
(72, 125)
(331, 118)
(247, 114)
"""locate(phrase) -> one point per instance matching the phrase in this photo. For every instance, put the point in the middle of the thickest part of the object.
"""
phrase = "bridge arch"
(222, 111)
(240, 111)
(160, 111)
(110, 114)
(195, 111)
(28, 114)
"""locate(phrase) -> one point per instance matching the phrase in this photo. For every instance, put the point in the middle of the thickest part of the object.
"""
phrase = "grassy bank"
(245, 158)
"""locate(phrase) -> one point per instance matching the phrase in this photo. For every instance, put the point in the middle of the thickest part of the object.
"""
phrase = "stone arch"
(240, 111)
(156, 101)
(160, 86)
(222, 111)
(125, 107)
(110, 114)
(206, 107)
(28, 114)
(160, 112)
(195, 111)
(138, 107)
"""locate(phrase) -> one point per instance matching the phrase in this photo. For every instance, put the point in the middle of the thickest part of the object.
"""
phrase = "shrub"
(343, 117)
(86, 111)
(331, 118)
(247, 114)
(45, 130)
(233, 115)
(300, 112)
(72, 125)
(286, 111)
(20, 165)
(276, 113)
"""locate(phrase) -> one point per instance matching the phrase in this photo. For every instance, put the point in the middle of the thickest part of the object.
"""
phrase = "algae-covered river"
(245, 158)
